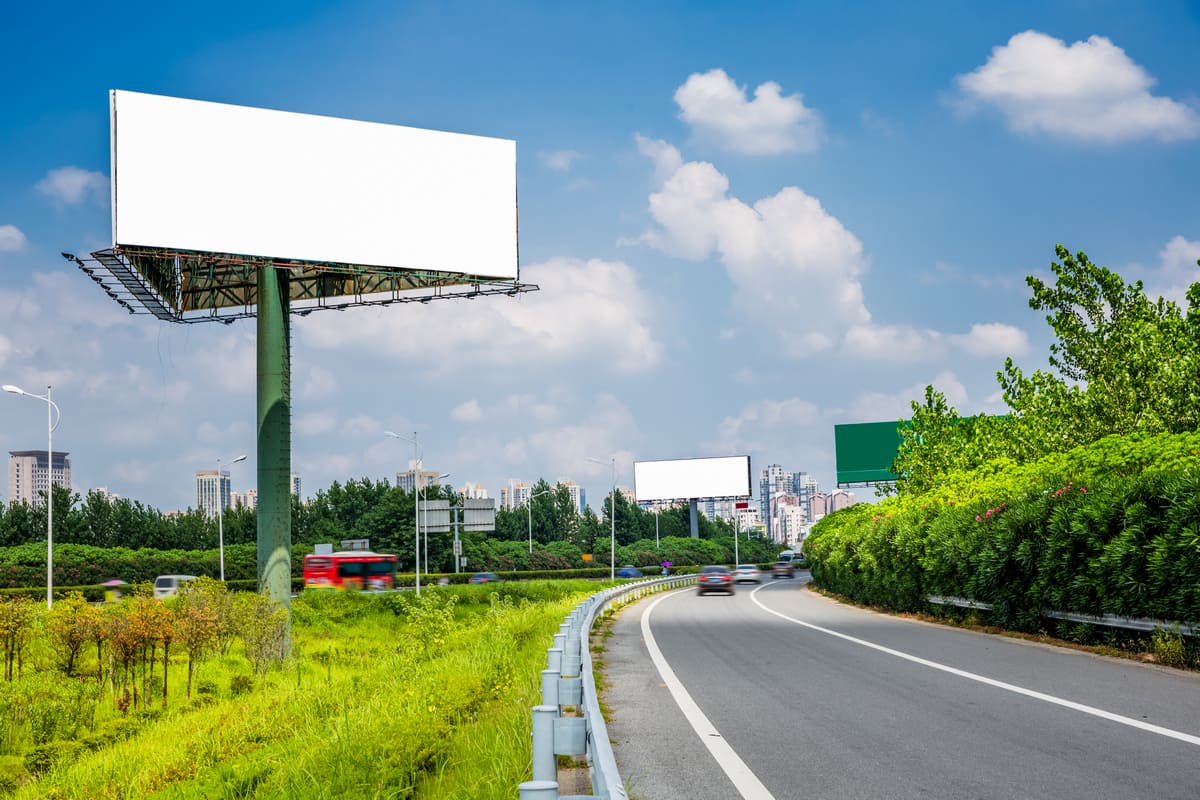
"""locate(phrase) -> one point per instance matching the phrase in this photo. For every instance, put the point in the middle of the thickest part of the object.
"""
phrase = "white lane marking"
(745, 781)
(1008, 687)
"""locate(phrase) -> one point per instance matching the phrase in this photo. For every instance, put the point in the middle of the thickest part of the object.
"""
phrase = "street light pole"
(416, 502)
(612, 518)
(51, 424)
(221, 514)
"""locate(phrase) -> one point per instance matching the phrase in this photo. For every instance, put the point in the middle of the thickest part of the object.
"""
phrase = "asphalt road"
(806, 698)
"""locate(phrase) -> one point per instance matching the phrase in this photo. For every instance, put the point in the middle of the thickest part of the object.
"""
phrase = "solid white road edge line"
(1008, 687)
(745, 781)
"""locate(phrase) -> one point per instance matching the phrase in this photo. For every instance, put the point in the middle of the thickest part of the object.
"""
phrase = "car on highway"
(714, 579)
(169, 585)
(747, 573)
(783, 569)
(629, 571)
(484, 577)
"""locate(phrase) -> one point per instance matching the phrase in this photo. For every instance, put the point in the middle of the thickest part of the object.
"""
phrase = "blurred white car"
(747, 573)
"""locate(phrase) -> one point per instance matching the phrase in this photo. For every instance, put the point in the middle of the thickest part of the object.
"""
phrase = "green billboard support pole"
(274, 437)
(694, 519)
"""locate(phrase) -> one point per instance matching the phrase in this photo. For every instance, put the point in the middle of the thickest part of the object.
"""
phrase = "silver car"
(747, 573)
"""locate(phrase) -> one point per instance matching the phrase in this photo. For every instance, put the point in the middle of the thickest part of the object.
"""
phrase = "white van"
(169, 585)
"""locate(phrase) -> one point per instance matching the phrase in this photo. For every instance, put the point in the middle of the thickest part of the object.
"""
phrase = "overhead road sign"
(864, 452)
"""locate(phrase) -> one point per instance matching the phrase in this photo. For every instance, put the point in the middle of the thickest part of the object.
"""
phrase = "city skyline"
(747, 223)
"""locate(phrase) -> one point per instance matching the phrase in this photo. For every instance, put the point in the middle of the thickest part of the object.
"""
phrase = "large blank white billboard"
(192, 175)
(684, 479)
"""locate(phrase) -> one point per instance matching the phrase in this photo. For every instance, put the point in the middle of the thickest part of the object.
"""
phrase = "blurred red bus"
(350, 569)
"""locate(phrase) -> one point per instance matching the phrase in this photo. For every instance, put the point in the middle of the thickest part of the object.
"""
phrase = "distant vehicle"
(787, 555)
(169, 585)
(484, 577)
(714, 579)
(359, 570)
(783, 569)
(747, 573)
(629, 571)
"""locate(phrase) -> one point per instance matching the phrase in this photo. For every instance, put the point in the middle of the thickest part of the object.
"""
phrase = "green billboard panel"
(865, 451)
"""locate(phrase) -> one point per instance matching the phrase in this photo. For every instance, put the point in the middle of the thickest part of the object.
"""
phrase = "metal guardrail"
(1108, 620)
(569, 685)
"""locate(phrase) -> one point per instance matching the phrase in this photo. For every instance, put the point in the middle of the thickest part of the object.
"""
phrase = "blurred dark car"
(628, 571)
(714, 579)
(783, 569)
(484, 577)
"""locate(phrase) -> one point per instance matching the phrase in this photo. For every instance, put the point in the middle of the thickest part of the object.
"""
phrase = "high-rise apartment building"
(247, 499)
(410, 479)
(473, 491)
(515, 495)
(578, 495)
(30, 473)
(213, 490)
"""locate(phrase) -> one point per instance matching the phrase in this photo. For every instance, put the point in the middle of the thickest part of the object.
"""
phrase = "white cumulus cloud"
(1176, 271)
(1087, 91)
(11, 238)
(586, 309)
(992, 339)
(467, 412)
(70, 186)
(718, 110)
(559, 160)
(794, 265)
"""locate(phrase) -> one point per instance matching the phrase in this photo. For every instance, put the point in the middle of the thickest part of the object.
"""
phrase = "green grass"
(385, 697)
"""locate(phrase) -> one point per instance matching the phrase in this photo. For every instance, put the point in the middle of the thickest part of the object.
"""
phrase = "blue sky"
(749, 224)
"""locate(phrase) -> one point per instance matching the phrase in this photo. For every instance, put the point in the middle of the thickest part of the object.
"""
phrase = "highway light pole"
(416, 501)
(612, 518)
(221, 513)
(51, 424)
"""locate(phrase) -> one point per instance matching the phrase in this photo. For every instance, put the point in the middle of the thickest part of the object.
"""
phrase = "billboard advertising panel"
(683, 479)
(209, 177)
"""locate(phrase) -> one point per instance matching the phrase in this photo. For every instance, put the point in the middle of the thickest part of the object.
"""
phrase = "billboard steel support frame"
(274, 440)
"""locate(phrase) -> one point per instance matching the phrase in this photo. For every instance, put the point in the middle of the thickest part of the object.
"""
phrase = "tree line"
(385, 515)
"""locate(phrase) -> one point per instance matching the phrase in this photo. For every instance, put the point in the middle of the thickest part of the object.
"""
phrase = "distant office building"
(105, 493)
(213, 490)
(30, 473)
(410, 479)
(296, 486)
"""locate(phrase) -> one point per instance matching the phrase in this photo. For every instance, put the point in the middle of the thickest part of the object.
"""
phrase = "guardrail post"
(545, 764)
(539, 790)
(554, 659)
(550, 679)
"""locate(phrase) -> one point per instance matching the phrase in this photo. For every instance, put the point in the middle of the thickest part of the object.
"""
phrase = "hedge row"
(1122, 537)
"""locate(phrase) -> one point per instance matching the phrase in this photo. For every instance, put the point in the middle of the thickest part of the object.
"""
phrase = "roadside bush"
(1112, 528)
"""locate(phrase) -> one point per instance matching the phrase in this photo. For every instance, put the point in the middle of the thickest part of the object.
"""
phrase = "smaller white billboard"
(688, 478)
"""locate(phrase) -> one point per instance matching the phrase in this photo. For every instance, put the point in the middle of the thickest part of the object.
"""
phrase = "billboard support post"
(274, 439)
(695, 520)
